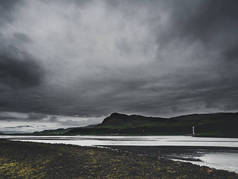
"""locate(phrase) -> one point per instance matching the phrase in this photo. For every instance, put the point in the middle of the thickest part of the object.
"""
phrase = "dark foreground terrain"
(37, 160)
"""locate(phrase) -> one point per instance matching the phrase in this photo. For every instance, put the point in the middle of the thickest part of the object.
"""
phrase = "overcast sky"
(93, 57)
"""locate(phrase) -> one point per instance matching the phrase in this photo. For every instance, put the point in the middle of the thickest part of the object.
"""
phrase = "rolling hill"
(215, 124)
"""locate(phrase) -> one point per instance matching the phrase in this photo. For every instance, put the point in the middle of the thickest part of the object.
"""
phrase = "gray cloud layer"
(15, 122)
(95, 57)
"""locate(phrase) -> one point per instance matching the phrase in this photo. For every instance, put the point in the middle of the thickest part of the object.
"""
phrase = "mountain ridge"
(208, 124)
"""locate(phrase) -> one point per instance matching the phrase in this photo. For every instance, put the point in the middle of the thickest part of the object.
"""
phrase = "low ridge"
(215, 124)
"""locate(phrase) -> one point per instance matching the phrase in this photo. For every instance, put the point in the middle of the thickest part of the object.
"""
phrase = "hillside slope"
(216, 124)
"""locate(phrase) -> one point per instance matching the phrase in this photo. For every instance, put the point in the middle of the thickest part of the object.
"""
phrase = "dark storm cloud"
(211, 17)
(92, 58)
(19, 71)
(6, 10)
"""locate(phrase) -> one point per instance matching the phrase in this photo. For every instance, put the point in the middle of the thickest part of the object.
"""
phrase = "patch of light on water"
(218, 160)
(131, 140)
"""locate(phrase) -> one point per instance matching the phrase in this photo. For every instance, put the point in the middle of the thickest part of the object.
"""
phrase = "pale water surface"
(227, 160)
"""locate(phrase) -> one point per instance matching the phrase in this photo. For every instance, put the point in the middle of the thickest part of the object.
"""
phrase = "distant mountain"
(215, 124)
(116, 120)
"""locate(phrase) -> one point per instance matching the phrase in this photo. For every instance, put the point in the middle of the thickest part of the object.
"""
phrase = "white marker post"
(193, 129)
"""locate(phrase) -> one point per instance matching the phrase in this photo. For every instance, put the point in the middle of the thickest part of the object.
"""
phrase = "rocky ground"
(37, 160)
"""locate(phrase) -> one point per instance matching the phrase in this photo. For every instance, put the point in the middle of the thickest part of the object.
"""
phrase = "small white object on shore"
(193, 129)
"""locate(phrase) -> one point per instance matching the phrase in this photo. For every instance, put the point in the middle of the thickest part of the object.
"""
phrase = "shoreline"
(189, 154)
(195, 136)
(43, 160)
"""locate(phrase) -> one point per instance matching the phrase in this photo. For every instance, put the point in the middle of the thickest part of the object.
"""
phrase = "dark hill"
(215, 124)
(118, 119)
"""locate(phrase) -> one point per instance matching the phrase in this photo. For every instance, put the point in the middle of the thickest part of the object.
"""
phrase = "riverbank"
(38, 160)
(224, 158)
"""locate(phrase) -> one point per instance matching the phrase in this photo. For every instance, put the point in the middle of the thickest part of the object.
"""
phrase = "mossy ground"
(36, 160)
